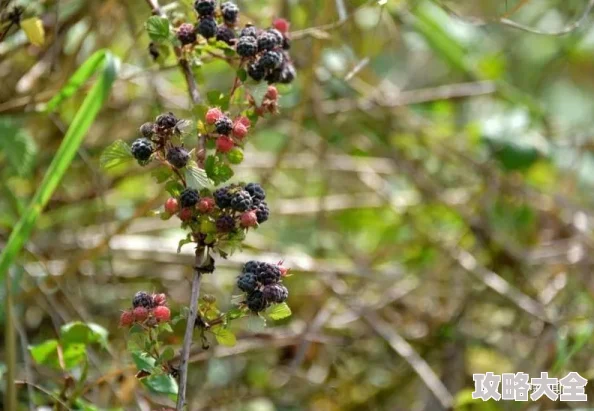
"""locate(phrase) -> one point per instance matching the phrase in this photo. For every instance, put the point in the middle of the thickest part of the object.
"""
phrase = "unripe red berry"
(243, 120)
(160, 299)
(248, 219)
(272, 93)
(126, 319)
(185, 214)
(281, 25)
(162, 313)
(171, 205)
(212, 115)
(239, 130)
(224, 144)
(206, 205)
(140, 314)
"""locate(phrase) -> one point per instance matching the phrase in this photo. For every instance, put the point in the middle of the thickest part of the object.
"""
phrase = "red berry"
(272, 93)
(244, 120)
(248, 219)
(185, 214)
(160, 299)
(239, 130)
(140, 314)
(281, 25)
(162, 313)
(224, 144)
(206, 205)
(212, 115)
(171, 205)
(126, 319)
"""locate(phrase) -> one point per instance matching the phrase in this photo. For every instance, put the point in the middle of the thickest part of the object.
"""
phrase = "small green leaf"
(255, 323)
(165, 327)
(143, 361)
(83, 333)
(157, 28)
(279, 311)
(166, 355)
(257, 91)
(136, 329)
(196, 177)
(225, 173)
(115, 154)
(44, 353)
(242, 74)
(161, 383)
(213, 97)
(224, 336)
(19, 150)
(183, 242)
(236, 312)
(74, 354)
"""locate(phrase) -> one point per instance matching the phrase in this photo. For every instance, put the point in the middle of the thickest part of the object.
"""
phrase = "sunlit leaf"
(279, 311)
(116, 153)
(33, 28)
(158, 28)
(224, 336)
(161, 384)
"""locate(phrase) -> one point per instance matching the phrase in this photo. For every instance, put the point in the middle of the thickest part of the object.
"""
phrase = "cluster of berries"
(262, 284)
(148, 309)
(230, 208)
(157, 137)
(207, 25)
(230, 132)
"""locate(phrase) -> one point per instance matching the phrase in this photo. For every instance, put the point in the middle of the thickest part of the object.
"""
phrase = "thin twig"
(46, 392)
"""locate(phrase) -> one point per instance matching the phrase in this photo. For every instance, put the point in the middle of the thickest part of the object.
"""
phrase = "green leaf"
(166, 355)
(17, 146)
(183, 242)
(196, 177)
(161, 383)
(255, 323)
(143, 361)
(45, 352)
(104, 63)
(224, 336)
(165, 327)
(257, 91)
(161, 174)
(235, 313)
(158, 28)
(174, 188)
(83, 333)
(242, 74)
(213, 97)
(279, 311)
(116, 153)
(74, 354)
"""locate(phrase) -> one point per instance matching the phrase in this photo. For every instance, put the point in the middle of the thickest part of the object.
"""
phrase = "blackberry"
(268, 273)
(225, 34)
(249, 31)
(224, 125)
(189, 198)
(256, 71)
(166, 122)
(271, 60)
(143, 299)
(241, 200)
(222, 197)
(204, 8)
(256, 191)
(247, 282)
(225, 224)
(251, 266)
(207, 27)
(142, 150)
(247, 46)
(178, 157)
(274, 76)
(256, 302)
(286, 43)
(147, 130)
(186, 34)
(262, 212)
(278, 37)
(288, 74)
(266, 41)
(230, 11)
(275, 293)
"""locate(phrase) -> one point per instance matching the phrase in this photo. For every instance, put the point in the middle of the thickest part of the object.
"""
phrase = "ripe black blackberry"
(178, 157)
(274, 76)
(249, 31)
(147, 130)
(256, 192)
(247, 46)
(225, 34)
(275, 293)
(225, 224)
(256, 302)
(241, 200)
(266, 41)
(186, 34)
(222, 197)
(189, 198)
(247, 282)
(166, 123)
(278, 37)
(256, 71)
(271, 60)
(142, 150)
(205, 8)
(262, 212)
(143, 299)
(286, 43)
(230, 11)
(268, 274)
(288, 74)
(224, 125)
(207, 27)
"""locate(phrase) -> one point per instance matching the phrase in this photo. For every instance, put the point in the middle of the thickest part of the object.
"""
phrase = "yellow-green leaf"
(34, 30)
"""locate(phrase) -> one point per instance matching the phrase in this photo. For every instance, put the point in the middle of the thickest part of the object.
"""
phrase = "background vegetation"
(430, 180)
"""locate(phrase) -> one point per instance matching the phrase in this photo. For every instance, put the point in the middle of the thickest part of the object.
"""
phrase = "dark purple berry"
(147, 130)
(225, 224)
(271, 60)
(266, 41)
(186, 34)
(288, 74)
(247, 282)
(166, 122)
(225, 34)
(222, 197)
(241, 200)
(256, 192)
(256, 302)
(256, 71)
(230, 11)
(143, 299)
(224, 125)
(275, 293)
(207, 27)
(178, 157)
(247, 46)
(189, 198)
(262, 212)
(204, 8)
(142, 150)
(278, 37)
(249, 31)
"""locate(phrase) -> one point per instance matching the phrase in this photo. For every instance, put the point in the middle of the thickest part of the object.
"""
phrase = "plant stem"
(199, 262)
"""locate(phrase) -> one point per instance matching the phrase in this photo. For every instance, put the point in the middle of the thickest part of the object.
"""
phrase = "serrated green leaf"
(17, 147)
(158, 28)
(279, 311)
(224, 336)
(143, 361)
(196, 178)
(257, 91)
(116, 153)
(83, 333)
(161, 383)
